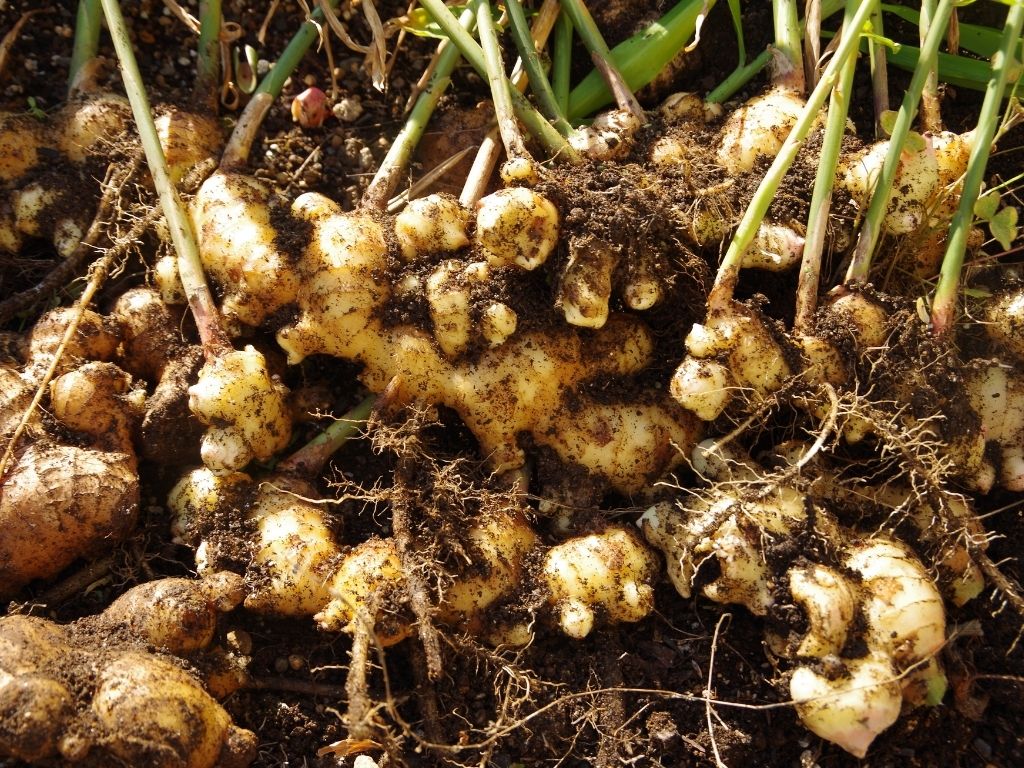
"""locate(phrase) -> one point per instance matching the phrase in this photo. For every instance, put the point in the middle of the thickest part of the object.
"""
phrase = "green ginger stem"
(871, 228)
(190, 268)
(944, 305)
(821, 197)
(746, 230)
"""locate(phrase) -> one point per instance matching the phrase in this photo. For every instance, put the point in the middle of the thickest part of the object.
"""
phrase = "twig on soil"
(12, 37)
(77, 582)
(182, 15)
(708, 692)
(439, 171)
(291, 685)
(358, 715)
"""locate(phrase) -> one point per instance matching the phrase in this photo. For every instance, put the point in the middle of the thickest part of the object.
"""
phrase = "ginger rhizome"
(871, 588)
(59, 499)
(298, 565)
(472, 355)
(128, 699)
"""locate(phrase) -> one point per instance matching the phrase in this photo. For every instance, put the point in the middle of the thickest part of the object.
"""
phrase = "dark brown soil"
(628, 695)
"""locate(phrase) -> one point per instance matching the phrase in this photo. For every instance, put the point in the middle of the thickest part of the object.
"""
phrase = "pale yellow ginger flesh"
(237, 245)
(1004, 325)
(498, 547)
(528, 384)
(516, 226)
(758, 128)
(748, 356)
(245, 408)
(608, 574)
(586, 286)
(449, 296)
(829, 602)
(608, 136)
(728, 527)
(299, 569)
(928, 168)
(431, 224)
(852, 710)
(996, 388)
(368, 583)
(293, 553)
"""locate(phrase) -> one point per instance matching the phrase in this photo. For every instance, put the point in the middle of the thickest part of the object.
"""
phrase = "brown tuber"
(67, 697)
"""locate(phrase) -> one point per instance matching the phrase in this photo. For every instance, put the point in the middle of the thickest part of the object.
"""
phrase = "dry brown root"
(59, 502)
(874, 616)
(68, 698)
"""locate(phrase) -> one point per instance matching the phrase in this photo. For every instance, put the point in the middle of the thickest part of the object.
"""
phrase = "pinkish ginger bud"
(309, 108)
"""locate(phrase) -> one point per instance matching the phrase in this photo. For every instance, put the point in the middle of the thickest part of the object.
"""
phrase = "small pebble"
(347, 110)
(280, 665)
(296, 662)
(983, 749)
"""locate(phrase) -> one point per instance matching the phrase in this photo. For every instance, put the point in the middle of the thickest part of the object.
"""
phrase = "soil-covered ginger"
(471, 352)
(67, 697)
